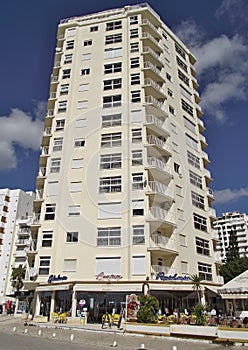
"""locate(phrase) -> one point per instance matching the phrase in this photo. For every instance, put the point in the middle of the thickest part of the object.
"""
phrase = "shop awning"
(51, 288)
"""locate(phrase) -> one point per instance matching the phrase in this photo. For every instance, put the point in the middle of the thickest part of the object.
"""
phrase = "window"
(136, 116)
(113, 25)
(164, 35)
(111, 101)
(195, 179)
(47, 238)
(136, 135)
(83, 87)
(138, 234)
(74, 210)
(60, 124)
(109, 236)
(108, 265)
(138, 207)
(64, 89)
(85, 71)
(70, 265)
(112, 84)
(44, 265)
(82, 104)
(135, 79)
(202, 246)
(79, 142)
(55, 165)
(50, 211)
(193, 160)
(134, 33)
(94, 29)
(134, 62)
(76, 186)
(71, 32)
(184, 267)
(109, 210)
(110, 161)
(52, 188)
(205, 271)
(111, 120)
(179, 190)
(191, 142)
(71, 237)
(62, 106)
(171, 109)
(57, 144)
(66, 73)
(197, 200)
(183, 77)
(180, 214)
(182, 240)
(77, 163)
(139, 264)
(175, 147)
(112, 39)
(177, 168)
(134, 47)
(137, 158)
(200, 223)
(186, 107)
(69, 45)
(81, 123)
(113, 52)
(111, 140)
(110, 184)
(112, 68)
(68, 58)
(86, 56)
(170, 93)
(168, 77)
(133, 19)
(135, 96)
(185, 92)
(189, 125)
(180, 51)
(137, 181)
(88, 42)
(182, 64)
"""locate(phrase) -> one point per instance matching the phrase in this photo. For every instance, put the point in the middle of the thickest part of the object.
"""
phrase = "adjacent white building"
(15, 205)
(123, 196)
(232, 223)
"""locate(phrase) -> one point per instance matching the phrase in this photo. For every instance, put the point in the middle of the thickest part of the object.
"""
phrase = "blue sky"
(215, 31)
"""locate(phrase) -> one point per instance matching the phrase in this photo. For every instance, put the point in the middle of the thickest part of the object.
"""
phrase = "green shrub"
(148, 310)
(199, 312)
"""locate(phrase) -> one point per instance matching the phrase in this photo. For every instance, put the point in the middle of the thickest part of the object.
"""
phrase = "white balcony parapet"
(20, 254)
(54, 78)
(157, 163)
(154, 140)
(220, 279)
(161, 124)
(217, 257)
(145, 21)
(47, 131)
(39, 194)
(150, 65)
(147, 49)
(159, 187)
(52, 95)
(153, 101)
(42, 171)
(160, 268)
(50, 112)
(57, 64)
(146, 35)
(150, 82)
(160, 241)
(23, 241)
(212, 212)
(36, 219)
(32, 246)
(45, 151)
(161, 214)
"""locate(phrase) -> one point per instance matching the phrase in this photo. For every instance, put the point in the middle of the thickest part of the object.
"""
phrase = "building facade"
(15, 205)
(233, 223)
(123, 199)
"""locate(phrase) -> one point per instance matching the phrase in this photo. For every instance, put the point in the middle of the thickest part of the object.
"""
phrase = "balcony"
(36, 219)
(210, 194)
(32, 248)
(54, 79)
(150, 41)
(50, 113)
(153, 71)
(47, 132)
(203, 141)
(194, 83)
(57, 64)
(20, 254)
(152, 101)
(159, 169)
(153, 56)
(151, 28)
(45, 151)
(220, 279)
(154, 89)
(201, 125)
(155, 269)
(23, 231)
(159, 190)
(197, 96)
(205, 158)
(22, 242)
(52, 96)
(159, 217)
(157, 125)
(212, 214)
(199, 111)
(154, 141)
(162, 244)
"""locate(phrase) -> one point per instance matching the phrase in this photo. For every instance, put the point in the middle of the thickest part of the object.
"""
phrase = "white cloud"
(227, 195)
(19, 129)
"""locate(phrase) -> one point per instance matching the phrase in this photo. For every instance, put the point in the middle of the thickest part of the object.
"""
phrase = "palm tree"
(17, 276)
(196, 281)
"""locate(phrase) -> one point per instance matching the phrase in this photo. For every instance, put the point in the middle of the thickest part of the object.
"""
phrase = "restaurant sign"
(161, 276)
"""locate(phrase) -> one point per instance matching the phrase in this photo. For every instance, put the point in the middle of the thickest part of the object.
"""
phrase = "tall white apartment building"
(233, 223)
(123, 197)
(14, 206)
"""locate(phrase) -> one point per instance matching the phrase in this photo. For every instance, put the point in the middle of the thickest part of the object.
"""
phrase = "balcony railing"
(48, 131)
(160, 241)
(52, 95)
(146, 22)
(45, 151)
(152, 67)
(39, 194)
(32, 246)
(159, 164)
(54, 79)
(42, 171)
(150, 82)
(161, 124)
(36, 219)
(147, 49)
(159, 187)
(160, 268)
(50, 112)
(154, 140)
(146, 35)
(22, 241)
(161, 214)
(153, 101)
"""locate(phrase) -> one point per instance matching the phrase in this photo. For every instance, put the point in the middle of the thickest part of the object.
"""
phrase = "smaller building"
(232, 223)
(235, 294)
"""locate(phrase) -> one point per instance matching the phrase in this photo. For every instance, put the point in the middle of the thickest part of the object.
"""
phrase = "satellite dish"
(33, 272)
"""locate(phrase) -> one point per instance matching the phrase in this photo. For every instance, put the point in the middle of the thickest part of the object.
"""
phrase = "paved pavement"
(92, 334)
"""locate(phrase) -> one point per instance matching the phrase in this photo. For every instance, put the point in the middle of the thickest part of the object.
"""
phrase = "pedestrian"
(106, 318)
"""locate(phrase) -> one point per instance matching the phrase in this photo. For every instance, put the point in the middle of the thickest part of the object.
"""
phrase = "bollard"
(25, 331)
(174, 348)
(14, 329)
(142, 347)
(54, 335)
(72, 337)
(39, 332)
(114, 344)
